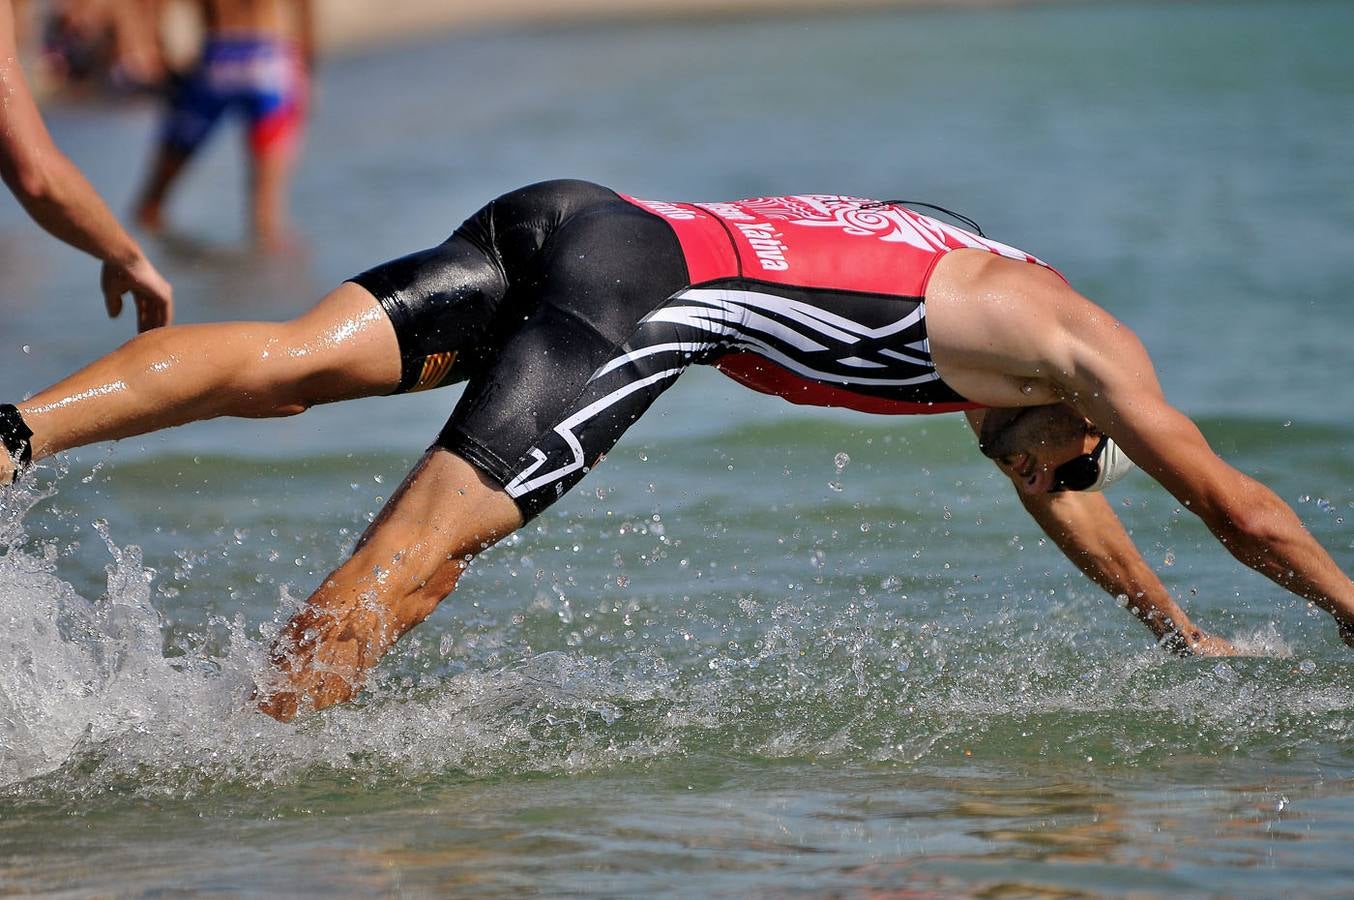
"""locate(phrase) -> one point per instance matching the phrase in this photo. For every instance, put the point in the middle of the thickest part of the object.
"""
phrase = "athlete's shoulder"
(997, 325)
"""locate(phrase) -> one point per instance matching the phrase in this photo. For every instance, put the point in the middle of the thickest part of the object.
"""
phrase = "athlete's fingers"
(112, 301)
(113, 286)
(1212, 645)
(153, 296)
(152, 312)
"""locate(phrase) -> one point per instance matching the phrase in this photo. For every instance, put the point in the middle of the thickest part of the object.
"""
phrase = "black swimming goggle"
(1080, 473)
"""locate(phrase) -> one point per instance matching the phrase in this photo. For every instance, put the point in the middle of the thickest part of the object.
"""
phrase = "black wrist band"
(16, 436)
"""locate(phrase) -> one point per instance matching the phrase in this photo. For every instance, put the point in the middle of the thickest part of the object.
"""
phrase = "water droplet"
(378, 479)
(27, 349)
(1306, 667)
(835, 486)
(840, 461)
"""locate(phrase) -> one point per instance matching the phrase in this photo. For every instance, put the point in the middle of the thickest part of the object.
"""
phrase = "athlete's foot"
(304, 691)
(281, 705)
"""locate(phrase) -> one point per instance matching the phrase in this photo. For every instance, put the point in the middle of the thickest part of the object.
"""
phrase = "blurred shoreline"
(88, 46)
(351, 25)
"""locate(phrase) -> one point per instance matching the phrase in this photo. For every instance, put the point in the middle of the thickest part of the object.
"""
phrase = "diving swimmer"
(567, 309)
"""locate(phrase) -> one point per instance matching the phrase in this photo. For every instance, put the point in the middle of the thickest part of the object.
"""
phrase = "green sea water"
(763, 650)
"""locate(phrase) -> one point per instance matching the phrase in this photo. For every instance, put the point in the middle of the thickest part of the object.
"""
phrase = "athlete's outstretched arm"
(1085, 357)
(343, 348)
(1113, 383)
(1087, 530)
(1035, 336)
(404, 565)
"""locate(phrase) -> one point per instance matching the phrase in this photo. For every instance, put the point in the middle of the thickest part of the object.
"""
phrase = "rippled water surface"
(764, 650)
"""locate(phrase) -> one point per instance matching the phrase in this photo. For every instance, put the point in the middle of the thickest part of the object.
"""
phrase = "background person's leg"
(269, 181)
(343, 348)
(277, 114)
(404, 565)
(193, 113)
(168, 164)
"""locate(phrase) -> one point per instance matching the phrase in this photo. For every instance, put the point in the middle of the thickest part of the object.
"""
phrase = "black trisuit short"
(568, 309)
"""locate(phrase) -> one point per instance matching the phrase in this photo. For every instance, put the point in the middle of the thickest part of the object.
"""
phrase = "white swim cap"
(1114, 464)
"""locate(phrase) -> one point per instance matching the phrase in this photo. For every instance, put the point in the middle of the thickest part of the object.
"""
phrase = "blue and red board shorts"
(263, 79)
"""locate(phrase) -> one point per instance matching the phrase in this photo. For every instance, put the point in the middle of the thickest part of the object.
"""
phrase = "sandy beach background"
(347, 24)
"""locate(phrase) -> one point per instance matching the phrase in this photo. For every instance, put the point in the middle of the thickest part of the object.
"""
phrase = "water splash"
(76, 673)
(102, 694)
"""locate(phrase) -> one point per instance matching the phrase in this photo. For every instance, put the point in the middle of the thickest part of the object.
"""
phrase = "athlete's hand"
(153, 296)
(1210, 645)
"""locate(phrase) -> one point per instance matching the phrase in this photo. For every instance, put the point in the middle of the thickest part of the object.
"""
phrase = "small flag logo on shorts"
(435, 370)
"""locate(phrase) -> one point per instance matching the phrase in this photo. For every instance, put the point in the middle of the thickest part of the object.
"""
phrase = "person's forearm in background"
(60, 199)
(47, 184)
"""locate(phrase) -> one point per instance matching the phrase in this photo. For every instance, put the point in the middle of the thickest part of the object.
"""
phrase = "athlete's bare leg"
(404, 565)
(343, 348)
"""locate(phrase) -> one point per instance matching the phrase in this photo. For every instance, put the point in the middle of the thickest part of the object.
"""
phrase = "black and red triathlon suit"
(568, 308)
